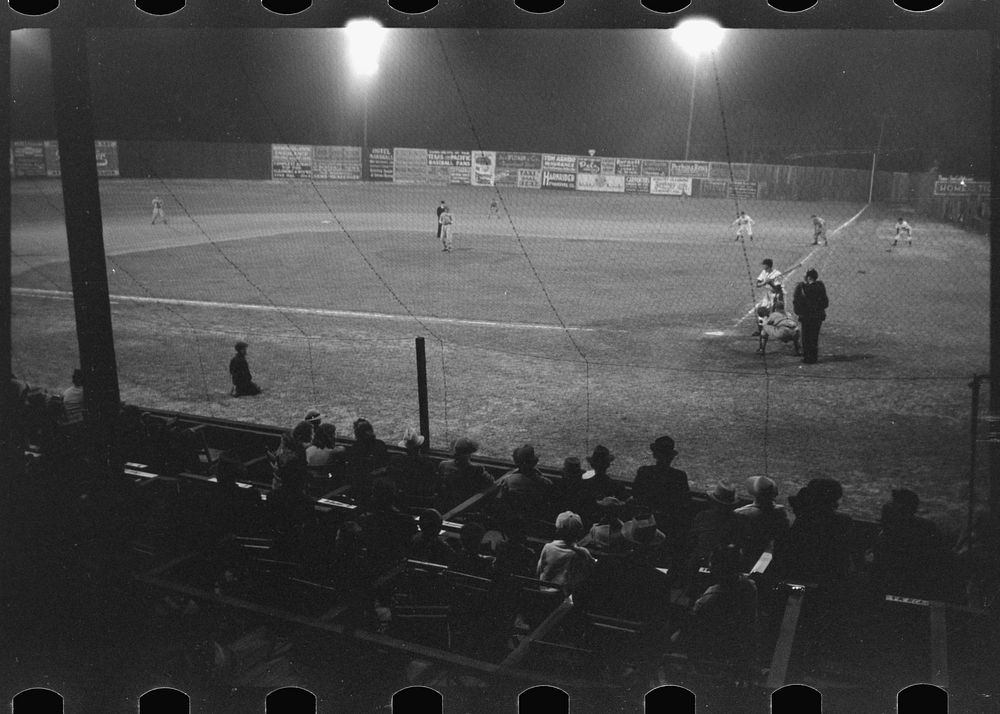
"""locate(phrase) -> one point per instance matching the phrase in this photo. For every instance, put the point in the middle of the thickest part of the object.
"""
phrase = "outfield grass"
(574, 320)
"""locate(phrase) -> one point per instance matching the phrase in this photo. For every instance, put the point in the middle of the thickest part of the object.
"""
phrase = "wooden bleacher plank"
(521, 651)
(786, 639)
(471, 501)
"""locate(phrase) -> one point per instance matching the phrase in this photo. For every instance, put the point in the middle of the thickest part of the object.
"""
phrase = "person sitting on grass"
(563, 564)
(239, 372)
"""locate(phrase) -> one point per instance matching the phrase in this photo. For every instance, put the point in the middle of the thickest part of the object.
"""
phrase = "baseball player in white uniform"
(158, 211)
(903, 230)
(744, 226)
(769, 279)
(819, 230)
(446, 220)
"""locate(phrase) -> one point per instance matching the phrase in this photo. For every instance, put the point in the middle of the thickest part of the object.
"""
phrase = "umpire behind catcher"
(810, 303)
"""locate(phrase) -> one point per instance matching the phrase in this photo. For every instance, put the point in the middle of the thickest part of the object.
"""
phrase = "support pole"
(425, 421)
(85, 234)
(694, 84)
(994, 416)
(10, 459)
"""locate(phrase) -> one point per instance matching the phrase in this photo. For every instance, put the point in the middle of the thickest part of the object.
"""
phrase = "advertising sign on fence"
(669, 186)
(628, 167)
(559, 162)
(510, 164)
(380, 164)
(961, 188)
(559, 179)
(106, 153)
(637, 184)
(600, 182)
(52, 158)
(29, 158)
(410, 166)
(694, 169)
(720, 170)
(743, 190)
(484, 164)
(449, 167)
(655, 167)
(337, 162)
(529, 178)
(291, 161)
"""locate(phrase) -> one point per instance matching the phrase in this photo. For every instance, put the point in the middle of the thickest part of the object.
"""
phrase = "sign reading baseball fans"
(449, 167)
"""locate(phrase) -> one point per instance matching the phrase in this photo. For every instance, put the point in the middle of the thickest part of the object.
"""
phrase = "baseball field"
(573, 319)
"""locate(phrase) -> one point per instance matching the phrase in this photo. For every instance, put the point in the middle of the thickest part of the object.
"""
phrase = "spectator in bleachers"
(910, 554)
(725, 620)
(428, 544)
(323, 452)
(72, 399)
(819, 547)
(315, 418)
(458, 478)
(664, 490)
(469, 557)
(512, 555)
(563, 563)
(239, 372)
(383, 530)
(598, 484)
(290, 506)
(714, 527)
(630, 586)
(367, 454)
(606, 534)
(525, 491)
(291, 453)
(762, 522)
(414, 474)
(569, 493)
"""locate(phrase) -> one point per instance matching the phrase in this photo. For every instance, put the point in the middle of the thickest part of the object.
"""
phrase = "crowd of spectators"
(638, 551)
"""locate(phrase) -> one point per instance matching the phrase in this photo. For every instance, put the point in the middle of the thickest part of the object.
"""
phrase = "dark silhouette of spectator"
(291, 453)
(458, 478)
(367, 454)
(428, 544)
(630, 586)
(290, 506)
(470, 558)
(665, 491)
(715, 526)
(563, 564)
(323, 455)
(72, 400)
(414, 474)
(598, 484)
(820, 547)
(524, 491)
(569, 492)
(725, 623)
(606, 534)
(239, 372)
(315, 418)
(762, 522)
(513, 556)
(910, 556)
(384, 531)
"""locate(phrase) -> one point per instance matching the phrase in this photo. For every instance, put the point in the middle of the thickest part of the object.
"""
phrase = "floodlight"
(364, 42)
(698, 36)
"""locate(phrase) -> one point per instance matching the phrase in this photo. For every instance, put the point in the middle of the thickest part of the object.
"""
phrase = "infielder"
(494, 209)
(769, 279)
(158, 211)
(819, 230)
(903, 230)
(445, 221)
(744, 226)
(440, 210)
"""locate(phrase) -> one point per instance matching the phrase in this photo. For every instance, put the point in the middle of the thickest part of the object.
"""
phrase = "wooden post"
(425, 421)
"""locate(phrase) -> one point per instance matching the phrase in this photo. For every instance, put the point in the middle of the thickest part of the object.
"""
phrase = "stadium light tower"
(364, 43)
(696, 37)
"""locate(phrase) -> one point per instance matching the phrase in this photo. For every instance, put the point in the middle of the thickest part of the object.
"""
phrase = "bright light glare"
(698, 36)
(364, 42)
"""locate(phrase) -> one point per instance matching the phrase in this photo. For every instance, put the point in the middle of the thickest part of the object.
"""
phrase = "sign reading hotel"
(484, 165)
(380, 164)
(291, 161)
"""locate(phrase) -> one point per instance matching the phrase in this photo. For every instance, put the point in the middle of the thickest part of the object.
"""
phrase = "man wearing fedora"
(664, 490)
(763, 522)
(525, 491)
(713, 527)
(414, 474)
(598, 484)
(458, 478)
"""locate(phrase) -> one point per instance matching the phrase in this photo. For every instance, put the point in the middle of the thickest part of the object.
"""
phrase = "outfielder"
(819, 230)
(158, 211)
(903, 230)
(445, 220)
(494, 209)
(744, 226)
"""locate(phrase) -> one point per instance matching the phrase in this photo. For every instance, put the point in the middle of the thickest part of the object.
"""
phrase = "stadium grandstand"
(301, 401)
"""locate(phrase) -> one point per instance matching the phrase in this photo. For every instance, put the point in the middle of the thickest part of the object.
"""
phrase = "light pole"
(696, 36)
(364, 43)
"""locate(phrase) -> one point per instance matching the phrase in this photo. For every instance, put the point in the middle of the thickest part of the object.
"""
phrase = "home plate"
(715, 333)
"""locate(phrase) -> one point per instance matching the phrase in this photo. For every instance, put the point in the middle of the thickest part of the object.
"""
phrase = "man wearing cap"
(762, 522)
(525, 491)
(665, 491)
(810, 303)
(458, 478)
(239, 371)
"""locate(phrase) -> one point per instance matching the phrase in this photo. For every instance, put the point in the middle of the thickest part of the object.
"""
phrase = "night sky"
(620, 92)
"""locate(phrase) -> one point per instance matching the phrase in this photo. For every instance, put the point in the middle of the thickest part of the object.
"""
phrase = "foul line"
(62, 295)
(808, 256)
